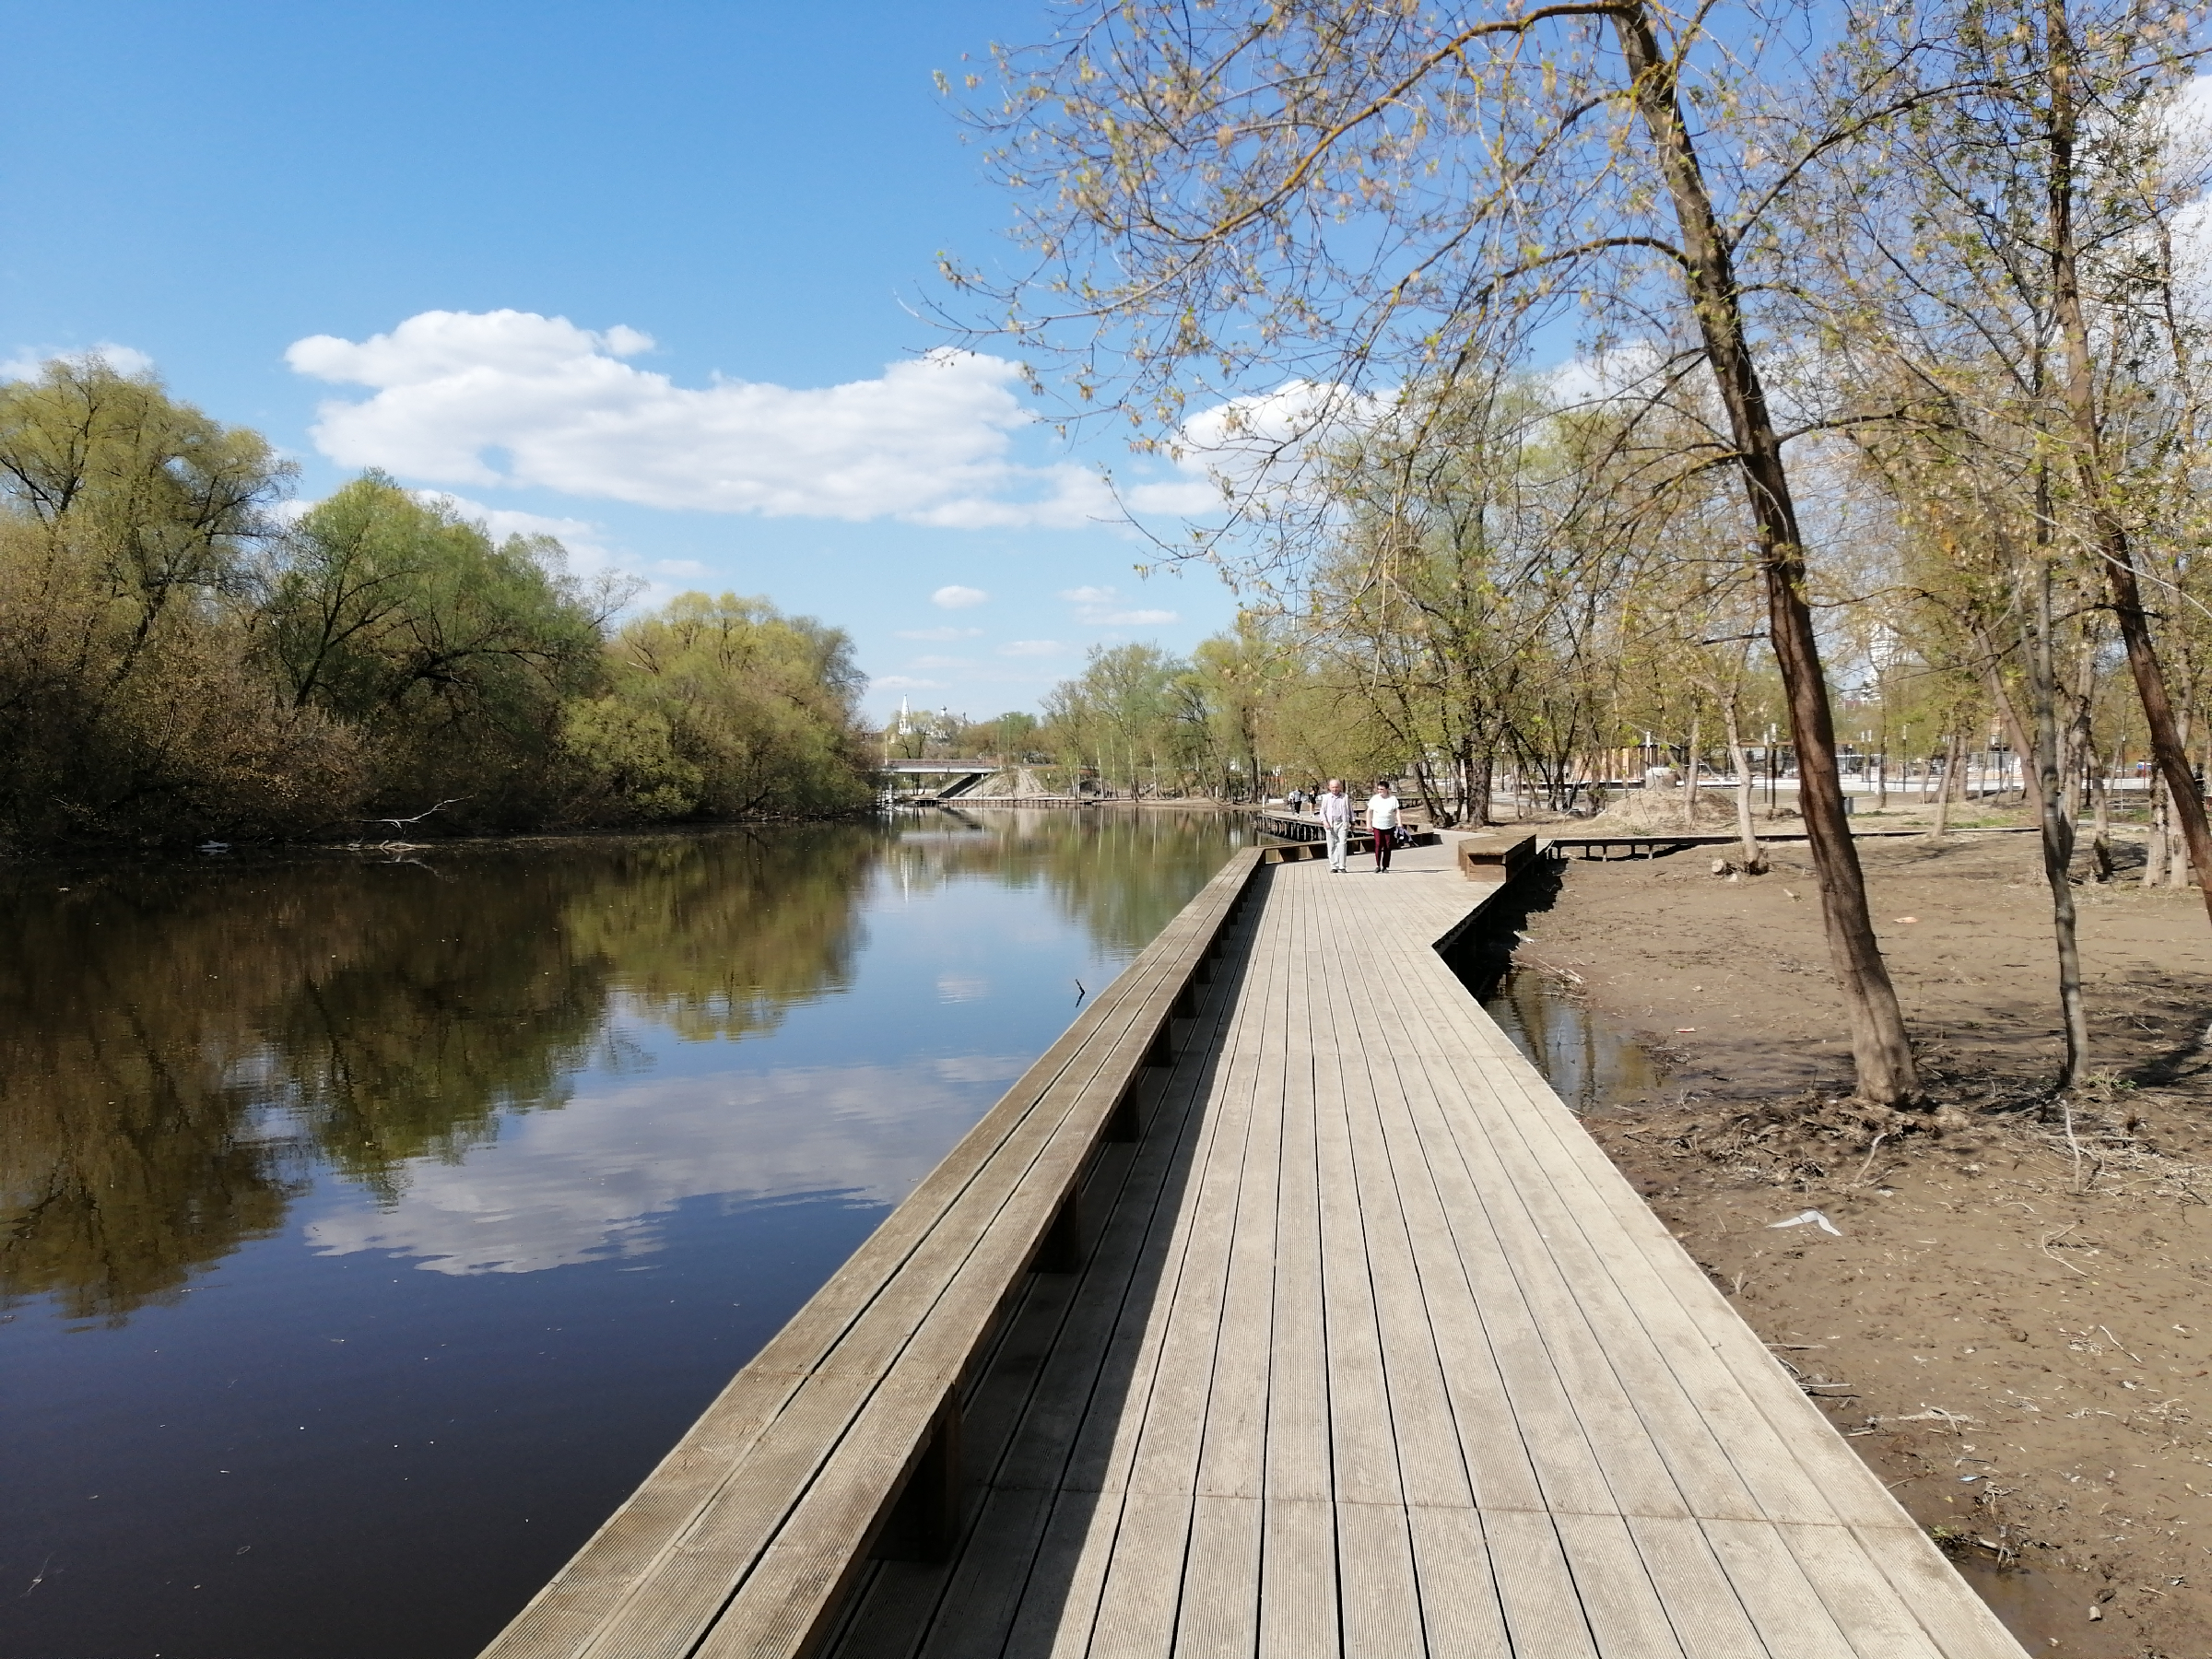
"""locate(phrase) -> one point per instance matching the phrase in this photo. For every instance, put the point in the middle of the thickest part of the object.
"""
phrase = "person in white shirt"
(1336, 809)
(1383, 820)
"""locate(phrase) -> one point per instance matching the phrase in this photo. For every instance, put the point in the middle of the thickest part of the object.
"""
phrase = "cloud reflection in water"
(591, 1181)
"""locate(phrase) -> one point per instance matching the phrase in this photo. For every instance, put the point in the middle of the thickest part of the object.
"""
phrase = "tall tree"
(1121, 715)
(129, 523)
(152, 502)
(1365, 194)
(2010, 268)
(455, 655)
(728, 707)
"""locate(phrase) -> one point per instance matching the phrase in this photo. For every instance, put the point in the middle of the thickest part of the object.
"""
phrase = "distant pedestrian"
(1298, 802)
(1383, 822)
(1336, 809)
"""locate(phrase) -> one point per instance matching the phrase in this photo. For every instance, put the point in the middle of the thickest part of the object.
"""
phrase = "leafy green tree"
(128, 523)
(175, 661)
(455, 655)
(152, 503)
(725, 708)
(1232, 679)
(1370, 197)
(1013, 735)
(1121, 716)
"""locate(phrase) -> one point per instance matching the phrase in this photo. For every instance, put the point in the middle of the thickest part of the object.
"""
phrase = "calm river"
(371, 1226)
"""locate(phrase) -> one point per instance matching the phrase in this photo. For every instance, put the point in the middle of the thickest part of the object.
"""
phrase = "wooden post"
(1062, 1248)
(924, 1521)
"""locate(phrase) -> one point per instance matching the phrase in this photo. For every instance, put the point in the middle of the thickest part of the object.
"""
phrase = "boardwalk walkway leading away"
(1360, 1349)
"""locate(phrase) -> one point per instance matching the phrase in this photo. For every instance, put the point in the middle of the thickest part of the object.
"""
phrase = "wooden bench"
(1485, 857)
(841, 1439)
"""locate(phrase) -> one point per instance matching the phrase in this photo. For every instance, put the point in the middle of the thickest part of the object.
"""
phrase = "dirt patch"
(2012, 1326)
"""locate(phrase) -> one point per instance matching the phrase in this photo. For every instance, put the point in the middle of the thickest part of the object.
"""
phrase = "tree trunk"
(2057, 833)
(2101, 806)
(1950, 779)
(2185, 804)
(1881, 1054)
(2155, 850)
(1431, 792)
(2177, 856)
(2015, 728)
(1689, 781)
(1755, 857)
(2112, 545)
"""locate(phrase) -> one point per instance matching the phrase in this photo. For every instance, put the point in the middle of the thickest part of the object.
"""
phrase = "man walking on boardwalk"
(1336, 809)
(1383, 820)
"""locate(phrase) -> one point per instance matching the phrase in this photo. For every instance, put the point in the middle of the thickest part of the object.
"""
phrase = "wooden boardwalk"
(1350, 1342)
(1375, 1354)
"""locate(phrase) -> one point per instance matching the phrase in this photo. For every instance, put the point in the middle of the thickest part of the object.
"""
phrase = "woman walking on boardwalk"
(1383, 821)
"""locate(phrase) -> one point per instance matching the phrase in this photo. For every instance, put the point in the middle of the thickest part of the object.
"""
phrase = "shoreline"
(2008, 1326)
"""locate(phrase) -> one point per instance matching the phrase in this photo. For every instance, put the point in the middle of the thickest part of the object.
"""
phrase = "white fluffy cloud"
(513, 398)
(1263, 442)
(956, 597)
(29, 360)
(1101, 607)
(1032, 648)
(578, 538)
(1635, 369)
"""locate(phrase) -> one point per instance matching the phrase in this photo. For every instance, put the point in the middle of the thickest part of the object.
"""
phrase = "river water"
(370, 1224)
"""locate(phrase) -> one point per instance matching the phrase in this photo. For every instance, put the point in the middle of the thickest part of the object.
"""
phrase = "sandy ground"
(2013, 1330)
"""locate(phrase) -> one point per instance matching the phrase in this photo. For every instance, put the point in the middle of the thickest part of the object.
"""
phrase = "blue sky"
(637, 273)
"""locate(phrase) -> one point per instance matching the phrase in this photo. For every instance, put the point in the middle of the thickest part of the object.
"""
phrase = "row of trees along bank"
(179, 658)
(1900, 302)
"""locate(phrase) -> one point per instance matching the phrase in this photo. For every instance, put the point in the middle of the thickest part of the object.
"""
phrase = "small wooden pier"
(1280, 1309)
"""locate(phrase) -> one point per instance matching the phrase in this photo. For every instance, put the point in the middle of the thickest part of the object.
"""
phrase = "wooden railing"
(1308, 840)
(841, 1439)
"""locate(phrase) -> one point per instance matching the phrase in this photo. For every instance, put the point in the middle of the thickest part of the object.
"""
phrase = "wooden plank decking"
(1372, 1353)
(1337, 1337)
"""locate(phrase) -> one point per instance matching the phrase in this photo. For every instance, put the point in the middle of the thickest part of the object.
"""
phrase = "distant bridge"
(963, 775)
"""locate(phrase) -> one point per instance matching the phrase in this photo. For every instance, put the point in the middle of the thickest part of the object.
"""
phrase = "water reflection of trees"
(1121, 874)
(181, 1046)
(720, 949)
(178, 1045)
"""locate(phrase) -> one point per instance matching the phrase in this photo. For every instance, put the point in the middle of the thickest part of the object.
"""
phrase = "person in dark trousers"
(1383, 823)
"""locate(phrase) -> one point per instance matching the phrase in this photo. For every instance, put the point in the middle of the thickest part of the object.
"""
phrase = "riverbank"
(2009, 1325)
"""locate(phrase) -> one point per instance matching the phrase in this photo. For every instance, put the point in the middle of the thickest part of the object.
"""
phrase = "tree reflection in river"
(178, 1045)
(1120, 878)
(182, 1048)
(129, 1151)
